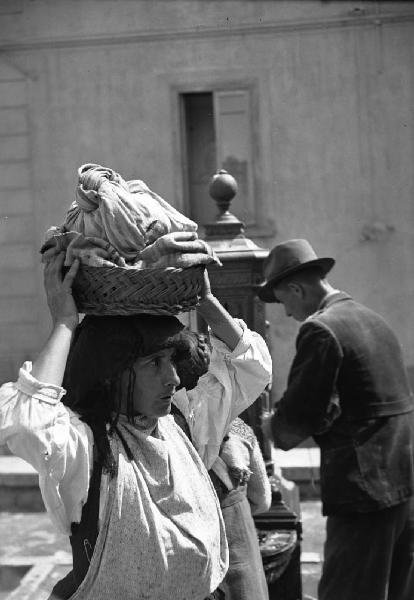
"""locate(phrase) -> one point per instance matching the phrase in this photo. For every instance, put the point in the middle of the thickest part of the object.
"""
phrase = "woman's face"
(155, 385)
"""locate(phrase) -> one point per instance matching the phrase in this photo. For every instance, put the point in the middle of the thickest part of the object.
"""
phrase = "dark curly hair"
(106, 347)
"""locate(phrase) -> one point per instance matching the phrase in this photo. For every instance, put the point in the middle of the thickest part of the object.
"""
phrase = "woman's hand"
(58, 289)
(50, 364)
(206, 288)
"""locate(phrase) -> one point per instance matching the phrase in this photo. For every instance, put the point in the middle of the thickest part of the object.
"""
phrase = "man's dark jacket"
(348, 388)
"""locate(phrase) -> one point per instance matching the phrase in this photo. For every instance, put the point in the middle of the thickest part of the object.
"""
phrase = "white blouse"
(39, 428)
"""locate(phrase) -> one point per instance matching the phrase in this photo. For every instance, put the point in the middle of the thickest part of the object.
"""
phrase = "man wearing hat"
(348, 389)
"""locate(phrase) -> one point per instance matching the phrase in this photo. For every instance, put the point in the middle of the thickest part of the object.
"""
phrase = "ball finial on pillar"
(223, 188)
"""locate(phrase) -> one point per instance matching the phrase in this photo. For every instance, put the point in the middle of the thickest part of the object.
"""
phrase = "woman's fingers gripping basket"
(58, 287)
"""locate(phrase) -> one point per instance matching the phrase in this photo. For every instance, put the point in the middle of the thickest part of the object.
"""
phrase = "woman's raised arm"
(220, 321)
(50, 364)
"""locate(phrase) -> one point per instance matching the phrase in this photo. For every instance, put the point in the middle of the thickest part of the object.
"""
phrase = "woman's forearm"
(49, 366)
(221, 322)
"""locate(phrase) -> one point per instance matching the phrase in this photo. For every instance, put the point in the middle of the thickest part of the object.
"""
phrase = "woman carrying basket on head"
(116, 472)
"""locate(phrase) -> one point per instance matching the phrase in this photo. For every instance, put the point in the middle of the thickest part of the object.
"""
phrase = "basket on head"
(127, 291)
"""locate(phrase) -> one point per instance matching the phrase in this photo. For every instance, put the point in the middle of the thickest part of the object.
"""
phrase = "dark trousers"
(370, 556)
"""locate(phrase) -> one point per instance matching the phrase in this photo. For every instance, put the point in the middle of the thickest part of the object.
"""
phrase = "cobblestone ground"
(313, 525)
(31, 551)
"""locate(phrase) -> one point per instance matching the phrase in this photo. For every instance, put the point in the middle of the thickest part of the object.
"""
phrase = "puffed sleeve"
(235, 379)
(39, 428)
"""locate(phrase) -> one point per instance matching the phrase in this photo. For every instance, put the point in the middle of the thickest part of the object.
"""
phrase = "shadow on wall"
(9, 368)
(410, 371)
(4, 451)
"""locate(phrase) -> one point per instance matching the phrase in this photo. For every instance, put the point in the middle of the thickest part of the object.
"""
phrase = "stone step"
(19, 486)
(300, 465)
(20, 489)
(15, 471)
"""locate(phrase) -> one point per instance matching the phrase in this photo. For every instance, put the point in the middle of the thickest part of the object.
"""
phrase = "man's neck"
(328, 291)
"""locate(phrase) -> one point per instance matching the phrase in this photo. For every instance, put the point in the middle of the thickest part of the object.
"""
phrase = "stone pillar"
(235, 283)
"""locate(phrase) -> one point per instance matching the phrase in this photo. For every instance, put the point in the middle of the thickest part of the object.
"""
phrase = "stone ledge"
(16, 472)
(298, 464)
(19, 486)
(19, 482)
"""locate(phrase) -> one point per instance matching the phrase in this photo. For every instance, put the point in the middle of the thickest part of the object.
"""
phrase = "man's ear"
(296, 289)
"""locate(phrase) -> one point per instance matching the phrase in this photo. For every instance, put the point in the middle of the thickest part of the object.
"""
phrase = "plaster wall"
(333, 133)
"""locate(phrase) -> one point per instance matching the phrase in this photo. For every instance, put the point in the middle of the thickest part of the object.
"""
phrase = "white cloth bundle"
(123, 223)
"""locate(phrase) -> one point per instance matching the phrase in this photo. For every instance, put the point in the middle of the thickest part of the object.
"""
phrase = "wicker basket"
(123, 291)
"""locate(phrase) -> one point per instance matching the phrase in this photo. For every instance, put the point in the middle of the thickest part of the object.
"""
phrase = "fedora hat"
(288, 258)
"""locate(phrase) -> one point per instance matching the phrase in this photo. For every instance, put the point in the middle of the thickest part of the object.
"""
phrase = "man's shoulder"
(335, 303)
(348, 316)
(315, 330)
(337, 306)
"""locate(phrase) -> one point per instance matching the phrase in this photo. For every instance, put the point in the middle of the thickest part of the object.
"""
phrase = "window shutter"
(234, 147)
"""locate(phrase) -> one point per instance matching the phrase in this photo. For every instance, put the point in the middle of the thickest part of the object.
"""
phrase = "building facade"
(308, 104)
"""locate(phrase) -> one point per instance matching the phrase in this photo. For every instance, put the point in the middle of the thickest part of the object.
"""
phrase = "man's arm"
(303, 408)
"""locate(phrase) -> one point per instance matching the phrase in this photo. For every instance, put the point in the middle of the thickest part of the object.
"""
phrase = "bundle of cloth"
(113, 222)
